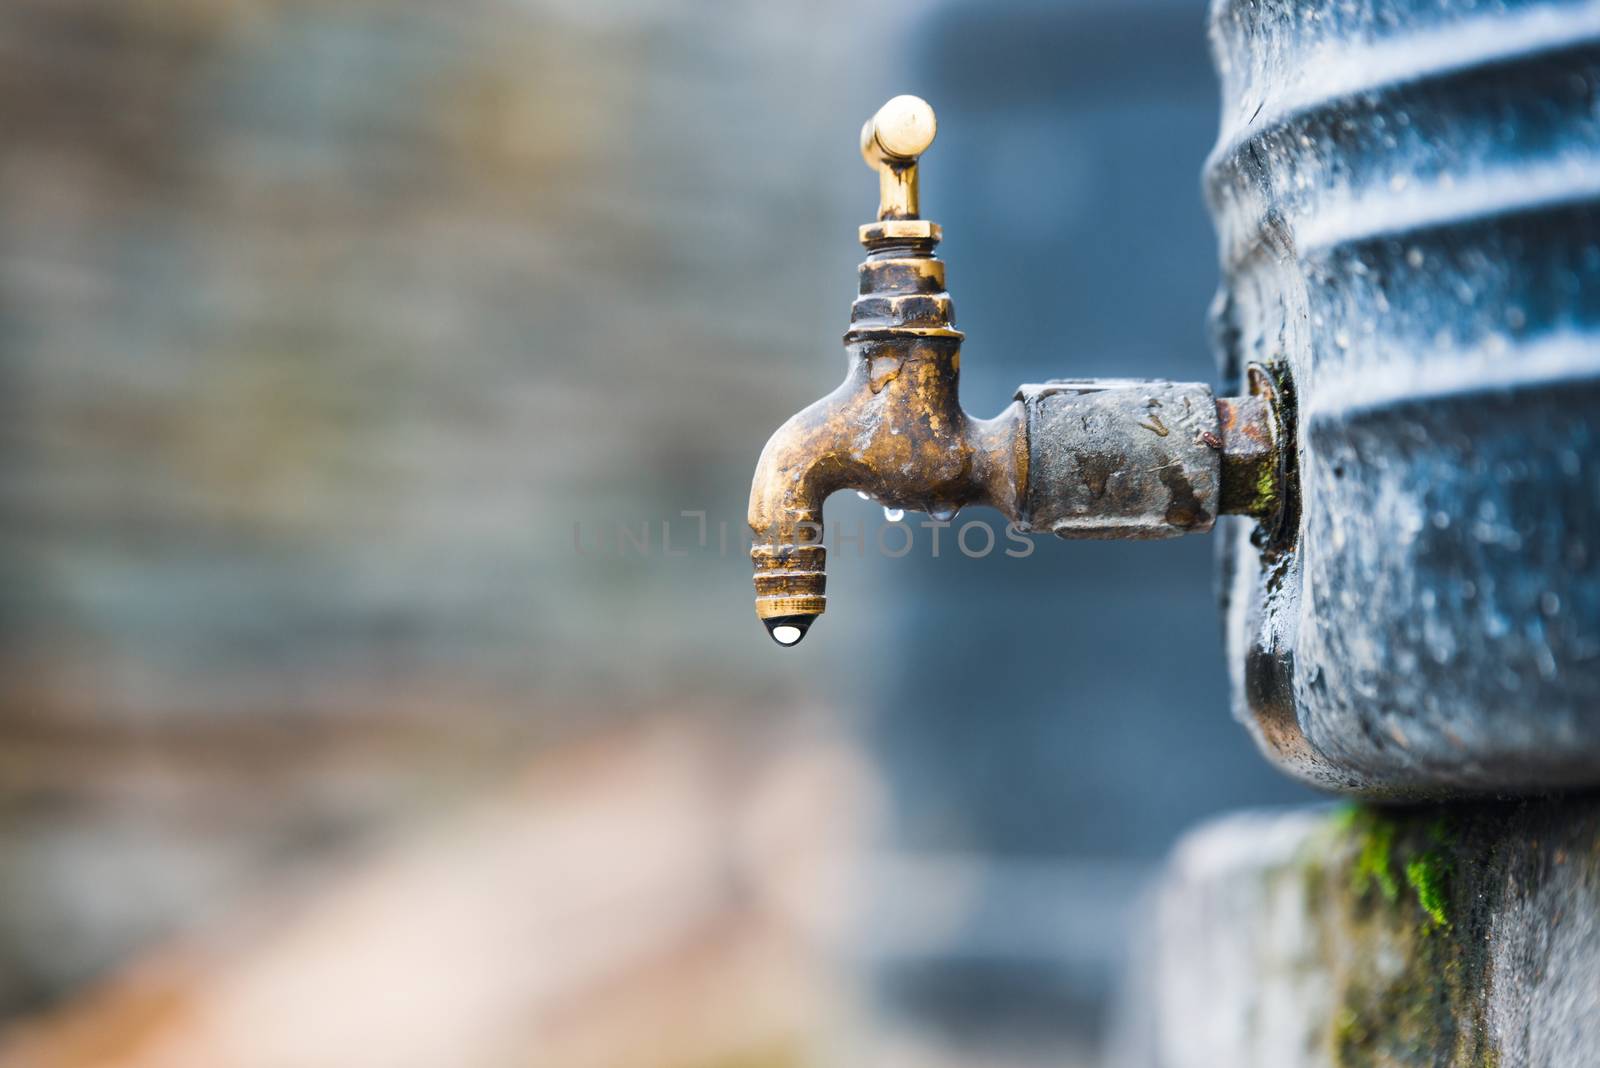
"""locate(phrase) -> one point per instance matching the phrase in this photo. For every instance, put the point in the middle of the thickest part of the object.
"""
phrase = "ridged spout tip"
(788, 630)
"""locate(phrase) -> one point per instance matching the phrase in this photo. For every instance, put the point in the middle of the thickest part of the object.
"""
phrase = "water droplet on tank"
(894, 515)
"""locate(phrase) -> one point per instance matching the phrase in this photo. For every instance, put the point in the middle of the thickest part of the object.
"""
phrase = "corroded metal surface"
(1407, 198)
(1254, 455)
(1109, 458)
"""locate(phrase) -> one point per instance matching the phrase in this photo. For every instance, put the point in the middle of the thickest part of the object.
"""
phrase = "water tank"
(1407, 202)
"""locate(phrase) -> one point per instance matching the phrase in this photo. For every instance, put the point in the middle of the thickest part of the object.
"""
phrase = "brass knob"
(891, 142)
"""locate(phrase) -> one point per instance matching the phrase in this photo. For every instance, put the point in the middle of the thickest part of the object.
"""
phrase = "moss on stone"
(1408, 980)
(1373, 867)
(1427, 875)
(1389, 963)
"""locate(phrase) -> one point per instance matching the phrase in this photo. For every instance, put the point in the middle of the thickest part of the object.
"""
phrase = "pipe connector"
(1093, 458)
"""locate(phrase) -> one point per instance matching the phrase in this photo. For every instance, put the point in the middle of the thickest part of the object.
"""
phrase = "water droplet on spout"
(788, 630)
(894, 515)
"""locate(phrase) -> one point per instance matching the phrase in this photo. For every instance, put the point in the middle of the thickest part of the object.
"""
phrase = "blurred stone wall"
(321, 323)
(325, 320)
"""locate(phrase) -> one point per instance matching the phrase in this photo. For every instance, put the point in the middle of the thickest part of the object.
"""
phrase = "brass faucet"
(1096, 458)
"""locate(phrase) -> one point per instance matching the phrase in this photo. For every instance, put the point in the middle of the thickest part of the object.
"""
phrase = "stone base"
(1441, 935)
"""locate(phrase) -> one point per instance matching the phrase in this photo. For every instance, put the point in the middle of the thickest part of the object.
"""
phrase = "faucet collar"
(902, 286)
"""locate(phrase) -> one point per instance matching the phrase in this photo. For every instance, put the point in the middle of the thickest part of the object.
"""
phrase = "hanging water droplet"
(944, 513)
(788, 630)
(894, 515)
(864, 495)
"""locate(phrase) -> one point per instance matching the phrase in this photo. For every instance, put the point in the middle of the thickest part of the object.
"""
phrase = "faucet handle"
(891, 142)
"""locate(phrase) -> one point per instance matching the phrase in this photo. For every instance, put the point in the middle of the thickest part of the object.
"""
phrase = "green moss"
(1410, 929)
(1372, 866)
(1427, 875)
(1266, 490)
(1383, 857)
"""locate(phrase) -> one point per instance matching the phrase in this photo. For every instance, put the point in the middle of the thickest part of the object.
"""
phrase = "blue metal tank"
(1407, 201)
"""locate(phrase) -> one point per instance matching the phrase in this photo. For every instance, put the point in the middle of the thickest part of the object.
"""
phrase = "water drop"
(944, 513)
(894, 515)
(864, 495)
(788, 630)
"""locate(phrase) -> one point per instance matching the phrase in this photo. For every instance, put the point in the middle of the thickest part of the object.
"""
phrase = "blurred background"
(380, 378)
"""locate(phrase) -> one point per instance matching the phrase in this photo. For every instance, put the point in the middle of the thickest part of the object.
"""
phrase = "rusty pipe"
(1090, 458)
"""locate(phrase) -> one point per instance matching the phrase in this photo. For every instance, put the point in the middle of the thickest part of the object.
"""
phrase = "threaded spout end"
(790, 581)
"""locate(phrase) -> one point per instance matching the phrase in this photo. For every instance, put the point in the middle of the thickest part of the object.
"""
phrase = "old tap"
(1086, 458)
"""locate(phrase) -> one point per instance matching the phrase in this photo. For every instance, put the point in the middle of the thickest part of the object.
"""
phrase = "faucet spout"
(894, 430)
